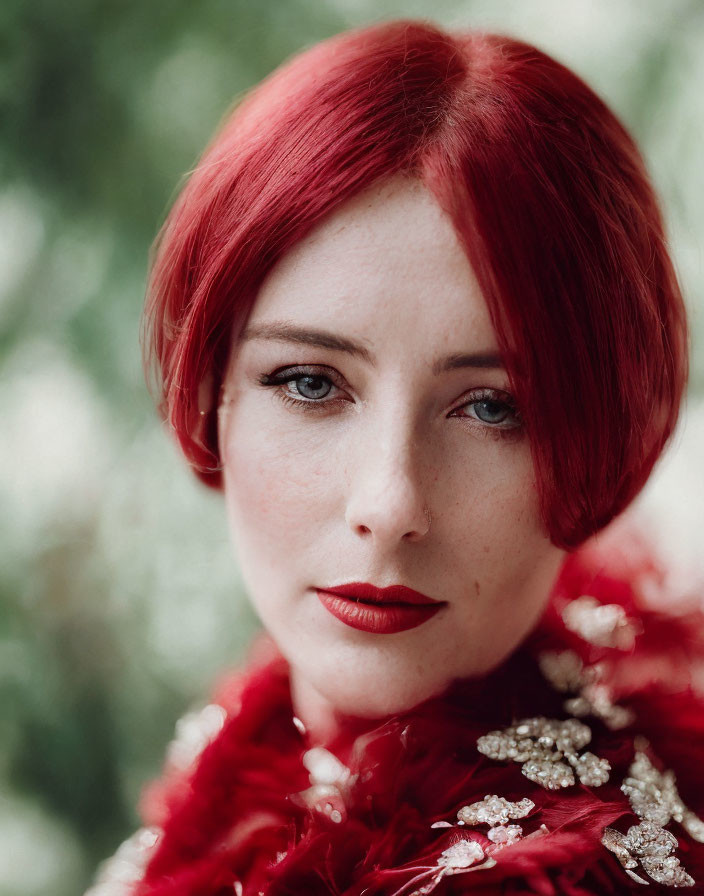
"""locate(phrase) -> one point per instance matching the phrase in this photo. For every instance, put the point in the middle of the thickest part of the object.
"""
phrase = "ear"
(203, 432)
(206, 398)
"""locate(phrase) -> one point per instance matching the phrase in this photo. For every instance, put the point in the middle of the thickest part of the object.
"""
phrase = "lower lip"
(380, 619)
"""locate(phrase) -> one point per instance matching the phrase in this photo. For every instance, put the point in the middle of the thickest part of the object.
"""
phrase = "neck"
(316, 712)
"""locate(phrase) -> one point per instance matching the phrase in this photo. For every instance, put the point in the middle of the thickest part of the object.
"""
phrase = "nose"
(387, 500)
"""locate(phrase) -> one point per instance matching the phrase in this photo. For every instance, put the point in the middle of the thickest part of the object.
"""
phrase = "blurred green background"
(119, 599)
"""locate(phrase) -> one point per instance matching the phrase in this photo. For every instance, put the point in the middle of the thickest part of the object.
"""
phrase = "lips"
(394, 594)
(379, 610)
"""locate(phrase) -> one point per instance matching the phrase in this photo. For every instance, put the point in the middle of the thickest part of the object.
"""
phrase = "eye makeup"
(313, 389)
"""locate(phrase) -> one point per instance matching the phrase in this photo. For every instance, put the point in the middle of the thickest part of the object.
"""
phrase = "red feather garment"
(234, 820)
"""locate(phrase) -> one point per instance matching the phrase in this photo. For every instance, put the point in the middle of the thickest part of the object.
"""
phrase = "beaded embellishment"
(460, 857)
(496, 812)
(462, 854)
(604, 625)
(330, 783)
(654, 797)
(566, 672)
(548, 750)
(468, 855)
(650, 846)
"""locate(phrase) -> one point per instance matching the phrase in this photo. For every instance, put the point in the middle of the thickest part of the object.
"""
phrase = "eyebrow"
(282, 331)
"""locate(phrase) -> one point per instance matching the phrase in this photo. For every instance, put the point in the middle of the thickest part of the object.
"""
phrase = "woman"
(414, 314)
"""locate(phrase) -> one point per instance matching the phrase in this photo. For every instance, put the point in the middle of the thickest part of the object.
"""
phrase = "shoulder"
(242, 701)
(613, 606)
(624, 647)
(626, 654)
(575, 767)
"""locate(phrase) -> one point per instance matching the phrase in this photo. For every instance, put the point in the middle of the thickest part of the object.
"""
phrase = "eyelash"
(283, 376)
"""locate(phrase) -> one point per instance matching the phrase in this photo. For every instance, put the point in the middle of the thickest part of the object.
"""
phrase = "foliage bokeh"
(119, 598)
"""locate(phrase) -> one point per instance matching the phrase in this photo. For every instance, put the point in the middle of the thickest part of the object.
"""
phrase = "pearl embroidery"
(330, 781)
(494, 810)
(549, 752)
(650, 846)
(604, 625)
(565, 671)
(461, 855)
(654, 797)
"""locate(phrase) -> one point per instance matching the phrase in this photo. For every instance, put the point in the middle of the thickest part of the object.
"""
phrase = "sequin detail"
(604, 625)
(330, 781)
(461, 855)
(468, 855)
(494, 810)
(649, 846)
(505, 835)
(654, 797)
(459, 858)
(548, 750)
(298, 725)
(566, 672)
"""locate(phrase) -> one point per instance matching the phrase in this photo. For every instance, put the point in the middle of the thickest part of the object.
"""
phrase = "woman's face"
(368, 435)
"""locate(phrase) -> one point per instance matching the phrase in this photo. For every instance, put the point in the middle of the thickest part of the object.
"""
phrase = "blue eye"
(312, 387)
(491, 411)
(492, 407)
(487, 410)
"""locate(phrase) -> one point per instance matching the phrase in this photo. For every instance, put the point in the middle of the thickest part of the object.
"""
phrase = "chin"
(369, 700)
(375, 692)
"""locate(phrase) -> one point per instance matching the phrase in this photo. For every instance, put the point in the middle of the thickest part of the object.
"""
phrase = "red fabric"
(231, 817)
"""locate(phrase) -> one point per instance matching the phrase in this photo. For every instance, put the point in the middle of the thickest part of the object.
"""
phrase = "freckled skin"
(385, 486)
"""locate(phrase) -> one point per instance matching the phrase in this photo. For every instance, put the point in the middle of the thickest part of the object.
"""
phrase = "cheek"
(500, 543)
(274, 480)
(495, 502)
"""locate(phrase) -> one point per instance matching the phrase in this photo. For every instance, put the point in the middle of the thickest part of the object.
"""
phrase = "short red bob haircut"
(548, 194)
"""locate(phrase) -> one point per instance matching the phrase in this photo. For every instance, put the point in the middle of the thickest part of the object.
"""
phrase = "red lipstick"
(378, 610)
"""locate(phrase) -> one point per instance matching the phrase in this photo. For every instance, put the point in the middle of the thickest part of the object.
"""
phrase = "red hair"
(548, 194)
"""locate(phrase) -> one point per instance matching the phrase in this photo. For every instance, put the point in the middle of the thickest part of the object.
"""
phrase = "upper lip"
(393, 594)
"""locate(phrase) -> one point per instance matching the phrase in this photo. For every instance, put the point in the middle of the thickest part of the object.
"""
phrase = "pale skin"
(408, 470)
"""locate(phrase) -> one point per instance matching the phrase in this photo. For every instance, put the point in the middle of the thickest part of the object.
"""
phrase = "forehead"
(388, 260)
